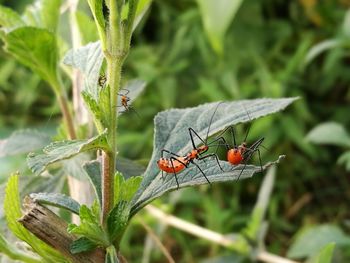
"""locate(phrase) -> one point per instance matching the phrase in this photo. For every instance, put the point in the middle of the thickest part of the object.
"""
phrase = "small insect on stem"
(177, 163)
(102, 79)
(242, 153)
(124, 102)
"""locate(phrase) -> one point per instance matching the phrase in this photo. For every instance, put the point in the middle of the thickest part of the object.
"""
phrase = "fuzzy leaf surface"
(35, 48)
(82, 244)
(23, 141)
(57, 200)
(93, 171)
(90, 225)
(61, 150)
(125, 189)
(171, 133)
(88, 59)
(118, 220)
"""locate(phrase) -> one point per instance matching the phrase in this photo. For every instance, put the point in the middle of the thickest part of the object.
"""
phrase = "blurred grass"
(264, 54)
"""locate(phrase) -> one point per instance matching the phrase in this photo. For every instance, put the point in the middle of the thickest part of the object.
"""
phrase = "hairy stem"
(61, 96)
(67, 116)
(119, 34)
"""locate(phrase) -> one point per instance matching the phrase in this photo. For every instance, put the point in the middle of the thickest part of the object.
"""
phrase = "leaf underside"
(88, 59)
(23, 141)
(61, 150)
(171, 133)
(57, 200)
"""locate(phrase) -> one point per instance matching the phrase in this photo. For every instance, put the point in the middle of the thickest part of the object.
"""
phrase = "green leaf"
(57, 200)
(82, 244)
(61, 150)
(14, 253)
(35, 48)
(323, 46)
(117, 220)
(9, 19)
(311, 240)
(95, 107)
(88, 59)
(125, 189)
(329, 133)
(93, 171)
(87, 27)
(49, 13)
(344, 159)
(325, 255)
(96, 7)
(90, 225)
(216, 17)
(13, 213)
(23, 141)
(142, 7)
(171, 133)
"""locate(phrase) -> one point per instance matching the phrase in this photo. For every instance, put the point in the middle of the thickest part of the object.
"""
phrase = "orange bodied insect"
(177, 163)
(242, 153)
(124, 102)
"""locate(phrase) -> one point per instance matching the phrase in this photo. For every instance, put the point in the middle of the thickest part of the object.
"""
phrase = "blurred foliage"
(269, 49)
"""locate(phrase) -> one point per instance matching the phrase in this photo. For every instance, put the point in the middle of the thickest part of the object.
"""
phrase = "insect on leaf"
(171, 133)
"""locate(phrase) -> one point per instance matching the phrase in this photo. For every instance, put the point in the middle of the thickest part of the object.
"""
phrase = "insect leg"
(192, 131)
(164, 150)
(211, 155)
(172, 165)
(206, 178)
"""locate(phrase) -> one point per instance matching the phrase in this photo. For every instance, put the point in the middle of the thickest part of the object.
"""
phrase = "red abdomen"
(165, 165)
(234, 156)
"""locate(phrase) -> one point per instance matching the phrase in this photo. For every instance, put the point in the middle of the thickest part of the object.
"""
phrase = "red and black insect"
(242, 153)
(177, 163)
(124, 99)
(124, 102)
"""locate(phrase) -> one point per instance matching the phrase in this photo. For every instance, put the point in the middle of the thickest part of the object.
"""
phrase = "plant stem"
(61, 96)
(118, 48)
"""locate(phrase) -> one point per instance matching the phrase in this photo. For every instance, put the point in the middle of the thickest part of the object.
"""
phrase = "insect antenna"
(249, 125)
(211, 120)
